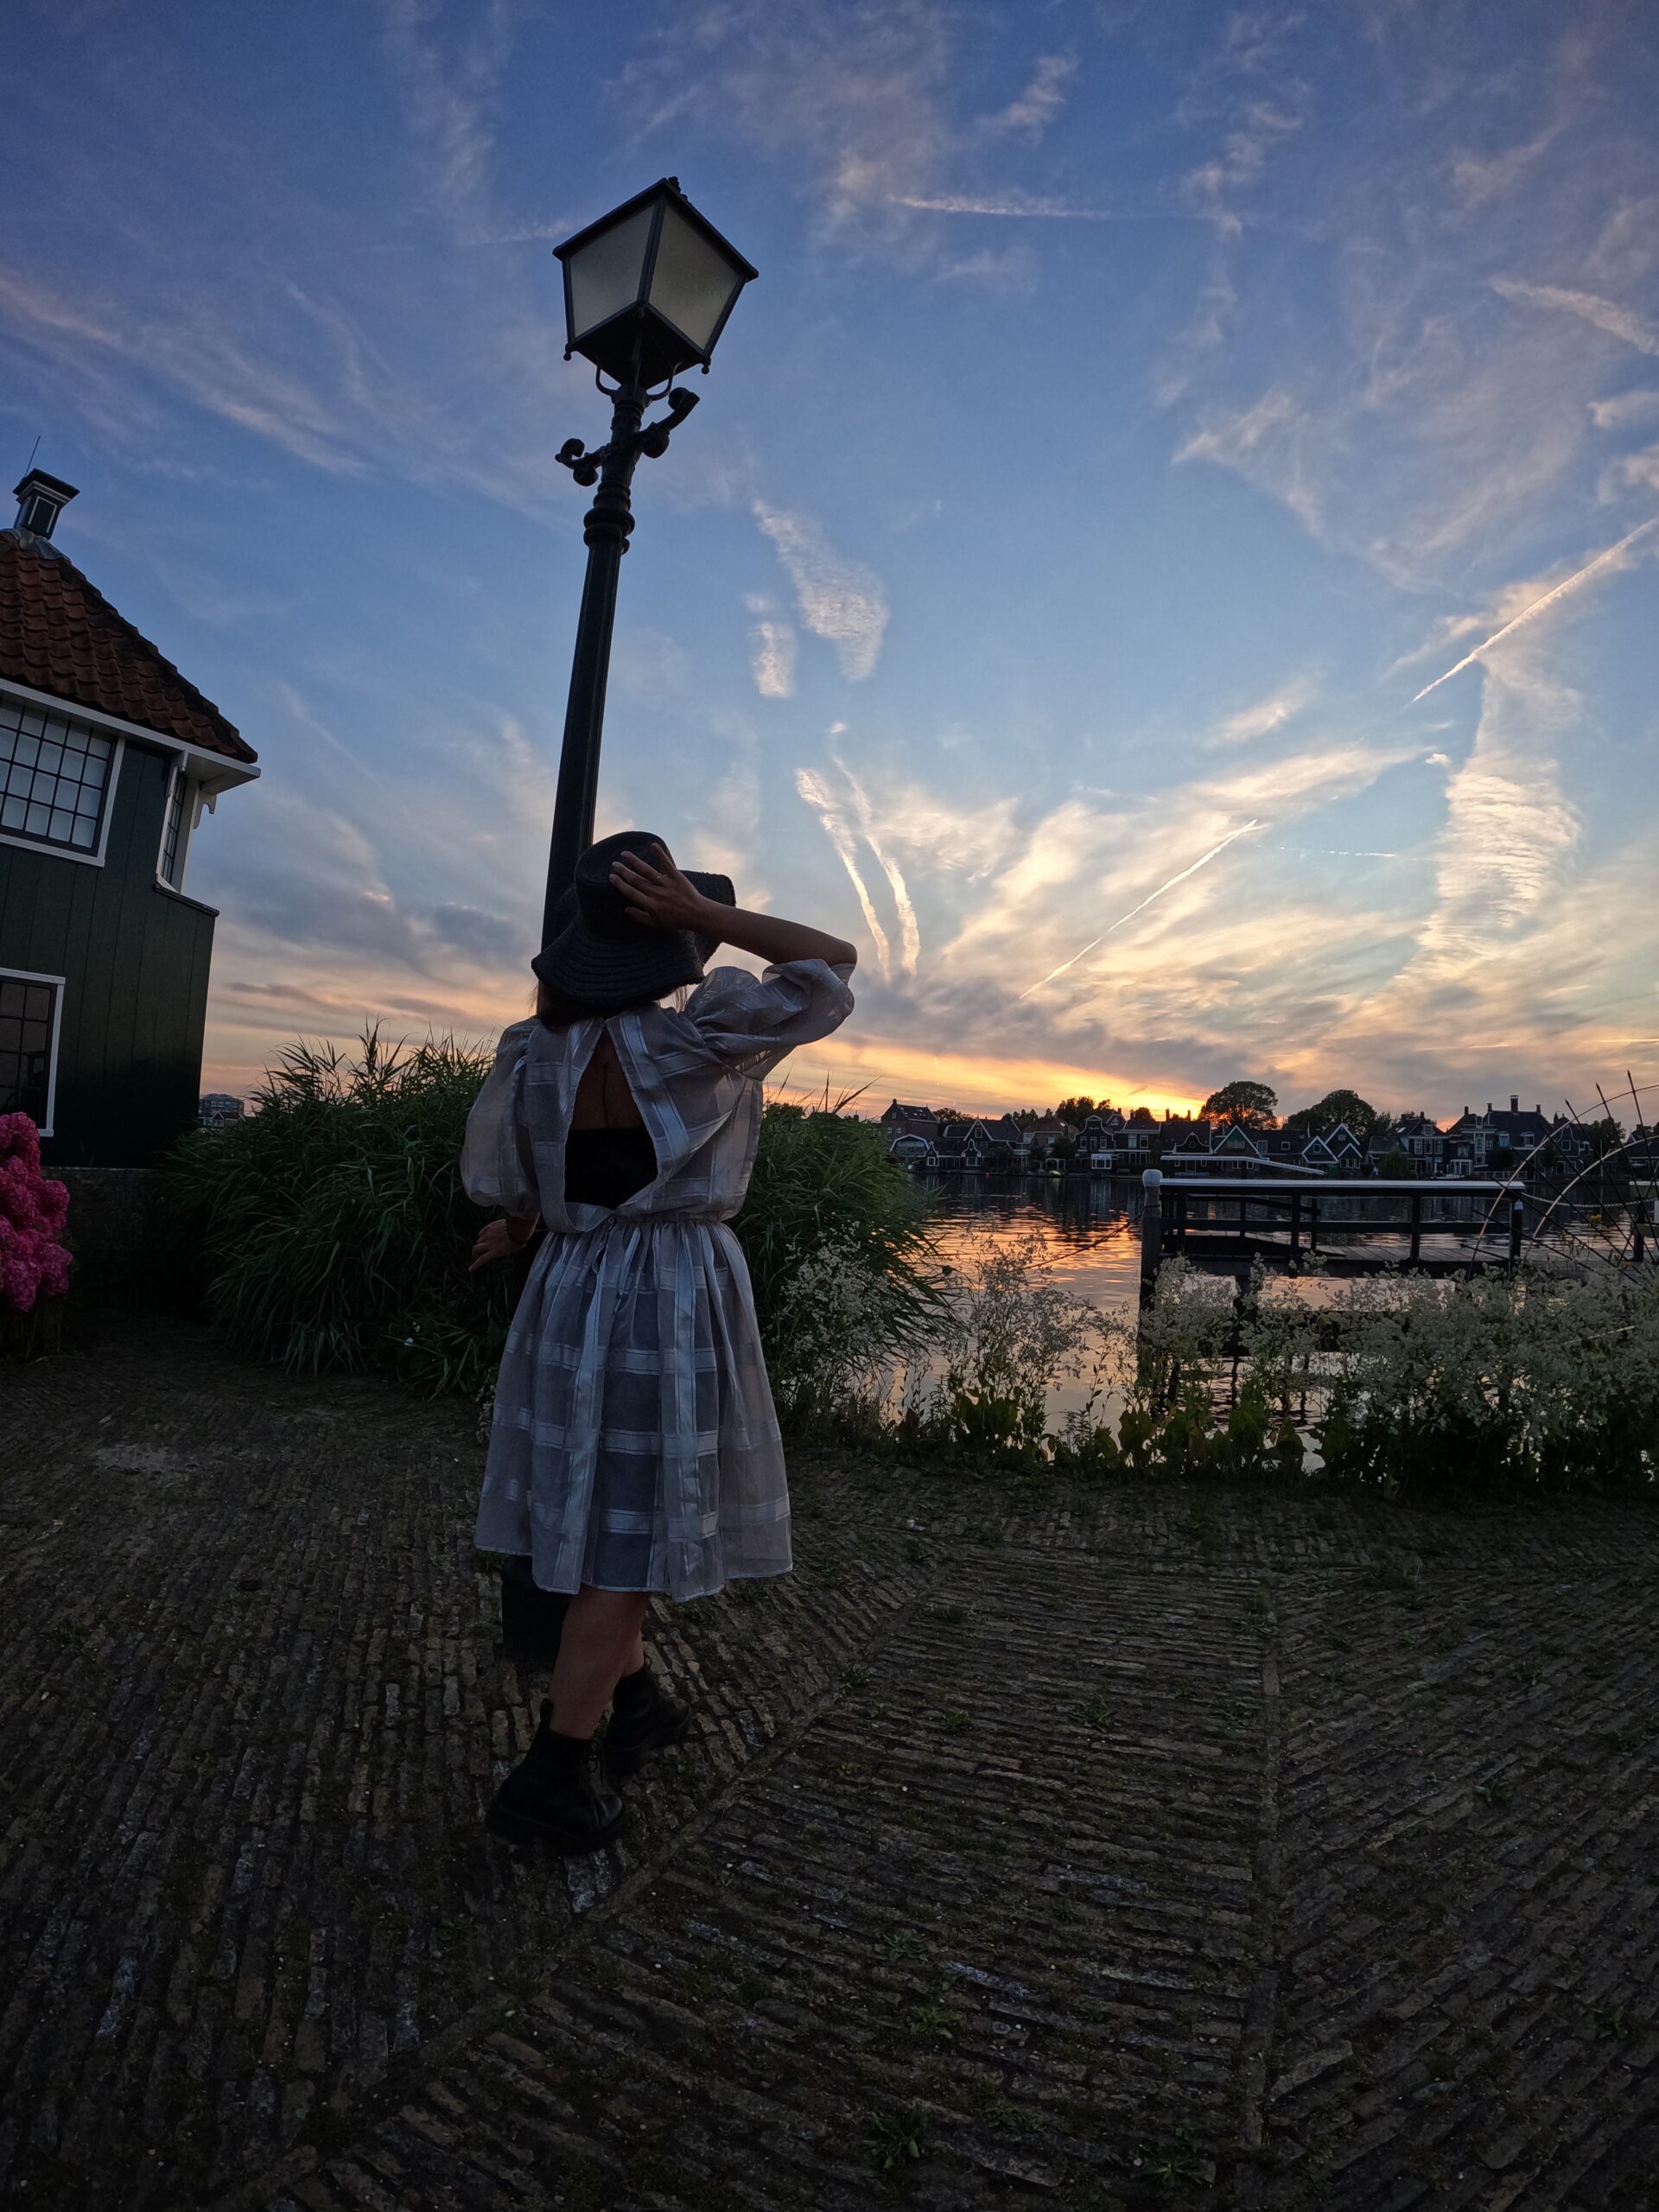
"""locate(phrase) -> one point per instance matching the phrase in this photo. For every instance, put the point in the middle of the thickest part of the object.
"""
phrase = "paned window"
(54, 776)
(172, 833)
(28, 1006)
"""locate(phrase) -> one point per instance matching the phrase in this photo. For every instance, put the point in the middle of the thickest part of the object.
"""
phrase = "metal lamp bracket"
(650, 440)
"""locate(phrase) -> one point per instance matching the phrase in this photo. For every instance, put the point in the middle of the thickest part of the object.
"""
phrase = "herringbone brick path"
(1088, 1848)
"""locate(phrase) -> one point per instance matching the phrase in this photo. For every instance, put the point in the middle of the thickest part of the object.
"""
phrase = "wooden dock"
(1218, 1220)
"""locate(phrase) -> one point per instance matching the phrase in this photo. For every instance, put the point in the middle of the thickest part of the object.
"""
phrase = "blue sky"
(1139, 405)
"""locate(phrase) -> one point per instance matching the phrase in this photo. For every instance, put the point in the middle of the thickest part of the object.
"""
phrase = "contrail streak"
(1538, 606)
(909, 930)
(1202, 860)
(818, 796)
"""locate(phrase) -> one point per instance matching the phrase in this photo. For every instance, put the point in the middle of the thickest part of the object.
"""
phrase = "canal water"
(1087, 1228)
(1086, 1232)
(1083, 1234)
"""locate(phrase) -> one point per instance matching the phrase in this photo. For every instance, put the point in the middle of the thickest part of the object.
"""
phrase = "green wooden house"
(108, 758)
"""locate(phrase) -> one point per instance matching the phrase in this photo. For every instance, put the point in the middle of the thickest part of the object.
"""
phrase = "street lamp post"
(647, 290)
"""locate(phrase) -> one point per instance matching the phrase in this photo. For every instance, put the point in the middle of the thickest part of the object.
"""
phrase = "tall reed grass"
(846, 1278)
(331, 1224)
(333, 1232)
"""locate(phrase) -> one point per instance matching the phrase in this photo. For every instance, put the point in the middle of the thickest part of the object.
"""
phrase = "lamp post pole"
(605, 528)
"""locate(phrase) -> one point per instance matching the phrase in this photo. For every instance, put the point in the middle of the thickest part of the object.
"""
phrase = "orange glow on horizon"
(882, 1067)
(973, 1082)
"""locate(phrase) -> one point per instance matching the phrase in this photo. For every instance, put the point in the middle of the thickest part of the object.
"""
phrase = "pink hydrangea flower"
(33, 1210)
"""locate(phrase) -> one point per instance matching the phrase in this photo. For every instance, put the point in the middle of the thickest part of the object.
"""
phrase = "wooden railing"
(1165, 1227)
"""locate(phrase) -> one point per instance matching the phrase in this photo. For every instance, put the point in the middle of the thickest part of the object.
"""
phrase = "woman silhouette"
(634, 1446)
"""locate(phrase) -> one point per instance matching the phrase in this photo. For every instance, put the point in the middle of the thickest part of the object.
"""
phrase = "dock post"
(1152, 1233)
(1517, 1229)
(1417, 1226)
(1295, 1224)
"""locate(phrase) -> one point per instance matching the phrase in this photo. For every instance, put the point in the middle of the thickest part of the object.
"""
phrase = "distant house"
(218, 1108)
(1234, 1150)
(997, 1141)
(1173, 1132)
(107, 758)
(1347, 1153)
(1189, 1152)
(950, 1147)
(908, 1121)
(1050, 1138)
(1424, 1140)
(1496, 1144)
(1413, 1135)
(1114, 1145)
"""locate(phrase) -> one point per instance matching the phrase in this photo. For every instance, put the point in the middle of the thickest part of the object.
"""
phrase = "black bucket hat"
(603, 961)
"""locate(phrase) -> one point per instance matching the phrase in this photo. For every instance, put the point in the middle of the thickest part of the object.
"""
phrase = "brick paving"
(1093, 1848)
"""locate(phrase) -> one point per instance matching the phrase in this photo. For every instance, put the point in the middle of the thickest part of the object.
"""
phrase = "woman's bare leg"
(599, 1643)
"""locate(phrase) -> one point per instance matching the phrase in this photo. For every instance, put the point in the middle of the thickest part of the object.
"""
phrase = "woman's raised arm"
(662, 897)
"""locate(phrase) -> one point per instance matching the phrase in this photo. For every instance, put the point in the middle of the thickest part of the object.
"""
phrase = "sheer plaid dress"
(634, 1444)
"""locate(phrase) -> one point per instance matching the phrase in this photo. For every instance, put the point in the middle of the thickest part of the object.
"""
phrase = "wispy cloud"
(1551, 598)
(1478, 178)
(828, 807)
(1266, 442)
(1019, 203)
(196, 355)
(910, 937)
(1041, 102)
(1010, 270)
(452, 91)
(1266, 715)
(1211, 189)
(1606, 315)
(840, 600)
(1627, 409)
(852, 822)
(854, 98)
(1202, 860)
(772, 651)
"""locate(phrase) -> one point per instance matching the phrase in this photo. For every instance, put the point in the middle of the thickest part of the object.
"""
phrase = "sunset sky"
(1141, 402)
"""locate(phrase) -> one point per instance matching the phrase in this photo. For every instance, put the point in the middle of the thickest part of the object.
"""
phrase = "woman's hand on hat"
(661, 897)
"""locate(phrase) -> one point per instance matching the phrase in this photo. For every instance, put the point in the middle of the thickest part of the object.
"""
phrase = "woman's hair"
(555, 1011)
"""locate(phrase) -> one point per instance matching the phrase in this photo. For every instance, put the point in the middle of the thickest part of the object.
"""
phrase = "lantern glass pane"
(605, 276)
(692, 282)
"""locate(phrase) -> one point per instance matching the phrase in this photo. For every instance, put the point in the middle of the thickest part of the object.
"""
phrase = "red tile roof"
(58, 633)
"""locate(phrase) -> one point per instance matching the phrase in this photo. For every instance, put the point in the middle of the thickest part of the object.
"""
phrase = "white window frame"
(27, 975)
(73, 713)
(190, 809)
(213, 771)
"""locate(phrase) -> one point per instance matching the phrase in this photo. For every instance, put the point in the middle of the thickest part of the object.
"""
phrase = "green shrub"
(333, 1232)
(332, 1224)
(1497, 1383)
(843, 1266)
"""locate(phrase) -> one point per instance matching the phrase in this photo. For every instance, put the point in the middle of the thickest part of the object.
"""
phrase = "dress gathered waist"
(620, 1217)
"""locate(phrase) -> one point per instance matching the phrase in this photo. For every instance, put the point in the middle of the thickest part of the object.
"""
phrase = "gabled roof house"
(108, 756)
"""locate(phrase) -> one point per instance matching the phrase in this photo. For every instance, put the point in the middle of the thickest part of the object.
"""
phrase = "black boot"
(554, 1795)
(643, 1719)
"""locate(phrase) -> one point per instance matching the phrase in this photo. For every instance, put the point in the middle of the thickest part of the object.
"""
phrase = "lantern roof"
(657, 302)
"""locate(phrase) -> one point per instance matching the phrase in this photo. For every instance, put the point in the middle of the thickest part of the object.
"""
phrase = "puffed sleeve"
(750, 1022)
(496, 1168)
